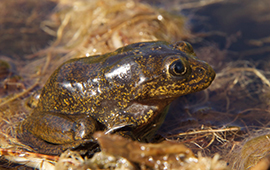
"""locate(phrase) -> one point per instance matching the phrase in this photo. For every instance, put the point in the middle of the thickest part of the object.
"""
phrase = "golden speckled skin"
(130, 87)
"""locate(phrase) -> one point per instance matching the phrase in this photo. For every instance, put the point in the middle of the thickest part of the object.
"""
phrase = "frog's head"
(170, 71)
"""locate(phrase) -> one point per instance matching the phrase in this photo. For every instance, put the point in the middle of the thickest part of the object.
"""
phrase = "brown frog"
(123, 91)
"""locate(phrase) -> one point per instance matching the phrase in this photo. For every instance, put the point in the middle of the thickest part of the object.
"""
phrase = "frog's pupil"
(177, 68)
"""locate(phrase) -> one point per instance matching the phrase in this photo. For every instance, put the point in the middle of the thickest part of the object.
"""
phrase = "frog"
(127, 92)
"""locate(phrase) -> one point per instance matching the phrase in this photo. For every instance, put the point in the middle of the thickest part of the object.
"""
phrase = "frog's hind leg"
(43, 147)
(52, 133)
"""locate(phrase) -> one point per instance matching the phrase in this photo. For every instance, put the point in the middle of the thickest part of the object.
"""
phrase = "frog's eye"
(177, 68)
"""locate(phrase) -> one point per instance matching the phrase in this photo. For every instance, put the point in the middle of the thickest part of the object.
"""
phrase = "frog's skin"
(126, 90)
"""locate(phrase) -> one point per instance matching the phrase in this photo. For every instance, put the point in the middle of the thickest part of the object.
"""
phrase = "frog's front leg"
(45, 130)
(124, 130)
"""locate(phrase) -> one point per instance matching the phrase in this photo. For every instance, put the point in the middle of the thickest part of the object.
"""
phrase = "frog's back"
(80, 84)
(67, 81)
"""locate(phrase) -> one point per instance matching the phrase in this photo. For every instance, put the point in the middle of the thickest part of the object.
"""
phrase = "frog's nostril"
(200, 70)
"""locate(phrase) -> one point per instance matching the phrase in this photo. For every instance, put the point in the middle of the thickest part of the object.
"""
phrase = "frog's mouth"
(198, 80)
(201, 77)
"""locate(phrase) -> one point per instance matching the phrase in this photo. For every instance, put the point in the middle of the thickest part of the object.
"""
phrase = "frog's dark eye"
(177, 68)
